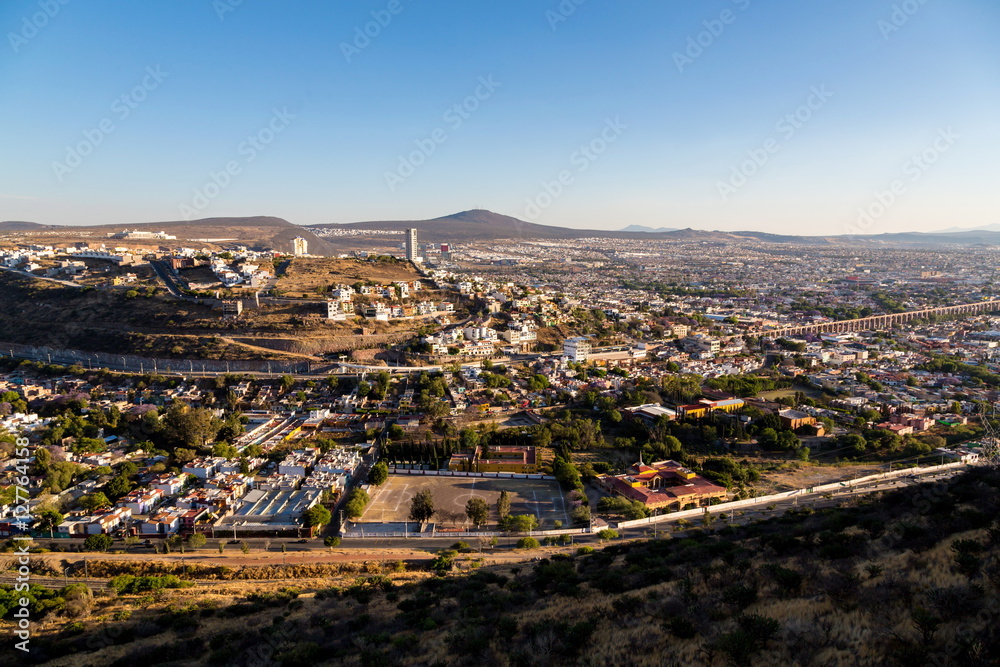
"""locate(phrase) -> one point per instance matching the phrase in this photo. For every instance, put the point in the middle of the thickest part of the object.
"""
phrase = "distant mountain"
(963, 238)
(263, 232)
(267, 232)
(984, 228)
(18, 226)
(644, 228)
(483, 225)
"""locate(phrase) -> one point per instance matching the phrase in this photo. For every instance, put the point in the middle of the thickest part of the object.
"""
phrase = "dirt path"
(815, 475)
(269, 350)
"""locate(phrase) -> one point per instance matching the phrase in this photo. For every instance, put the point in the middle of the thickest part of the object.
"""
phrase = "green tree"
(503, 505)
(118, 487)
(94, 501)
(855, 442)
(197, 541)
(59, 475)
(527, 543)
(523, 523)
(317, 515)
(225, 450)
(422, 506)
(49, 519)
(379, 473)
(356, 503)
(189, 427)
(98, 542)
(478, 511)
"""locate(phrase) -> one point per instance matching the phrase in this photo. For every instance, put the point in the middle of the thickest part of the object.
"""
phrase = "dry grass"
(865, 573)
(305, 274)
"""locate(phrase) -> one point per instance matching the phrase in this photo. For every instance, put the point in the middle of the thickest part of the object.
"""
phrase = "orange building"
(665, 484)
(521, 460)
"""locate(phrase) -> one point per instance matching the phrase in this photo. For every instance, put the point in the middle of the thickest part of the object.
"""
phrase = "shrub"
(98, 542)
(444, 561)
(580, 515)
(681, 627)
(129, 583)
(527, 543)
(356, 503)
(740, 596)
(331, 541)
(608, 534)
(585, 550)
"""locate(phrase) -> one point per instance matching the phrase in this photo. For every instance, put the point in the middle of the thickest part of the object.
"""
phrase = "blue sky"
(592, 115)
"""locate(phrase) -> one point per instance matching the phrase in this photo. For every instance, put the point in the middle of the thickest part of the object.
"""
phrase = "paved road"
(64, 283)
(162, 271)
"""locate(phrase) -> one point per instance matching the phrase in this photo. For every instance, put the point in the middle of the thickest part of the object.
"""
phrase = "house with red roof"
(664, 484)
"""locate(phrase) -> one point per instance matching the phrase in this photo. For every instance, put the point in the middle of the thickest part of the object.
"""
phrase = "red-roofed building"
(664, 484)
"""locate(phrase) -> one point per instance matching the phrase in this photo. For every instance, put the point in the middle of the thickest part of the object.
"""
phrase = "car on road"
(301, 541)
(233, 542)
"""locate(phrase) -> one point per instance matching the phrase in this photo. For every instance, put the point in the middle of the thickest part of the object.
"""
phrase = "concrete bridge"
(881, 321)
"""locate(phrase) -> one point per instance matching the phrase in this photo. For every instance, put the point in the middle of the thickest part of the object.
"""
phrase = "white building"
(577, 349)
(412, 251)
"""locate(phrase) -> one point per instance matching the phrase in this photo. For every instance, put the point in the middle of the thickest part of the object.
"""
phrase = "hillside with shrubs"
(908, 577)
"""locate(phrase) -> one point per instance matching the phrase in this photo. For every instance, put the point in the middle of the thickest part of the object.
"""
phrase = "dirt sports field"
(543, 498)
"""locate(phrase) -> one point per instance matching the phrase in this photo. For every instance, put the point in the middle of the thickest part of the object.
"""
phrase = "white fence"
(836, 486)
(358, 532)
(461, 473)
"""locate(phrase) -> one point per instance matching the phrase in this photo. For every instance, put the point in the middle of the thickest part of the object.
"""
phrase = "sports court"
(391, 502)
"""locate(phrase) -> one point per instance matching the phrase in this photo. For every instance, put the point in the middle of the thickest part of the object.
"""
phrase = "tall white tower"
(412, 253)
(300, 246)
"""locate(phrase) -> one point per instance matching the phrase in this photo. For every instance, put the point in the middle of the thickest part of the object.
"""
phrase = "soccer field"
(391, 502)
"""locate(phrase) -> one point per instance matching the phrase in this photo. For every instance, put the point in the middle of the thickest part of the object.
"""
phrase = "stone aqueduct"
(881, 321)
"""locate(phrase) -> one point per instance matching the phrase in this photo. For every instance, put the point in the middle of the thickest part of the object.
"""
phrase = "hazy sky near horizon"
(780, 116)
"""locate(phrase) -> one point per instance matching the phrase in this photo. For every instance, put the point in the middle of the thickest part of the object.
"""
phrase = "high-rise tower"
(412, 253)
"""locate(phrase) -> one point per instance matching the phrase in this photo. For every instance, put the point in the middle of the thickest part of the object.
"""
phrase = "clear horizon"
(729, 115)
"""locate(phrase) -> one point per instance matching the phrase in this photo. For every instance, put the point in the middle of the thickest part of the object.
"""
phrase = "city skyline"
(727, 116)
